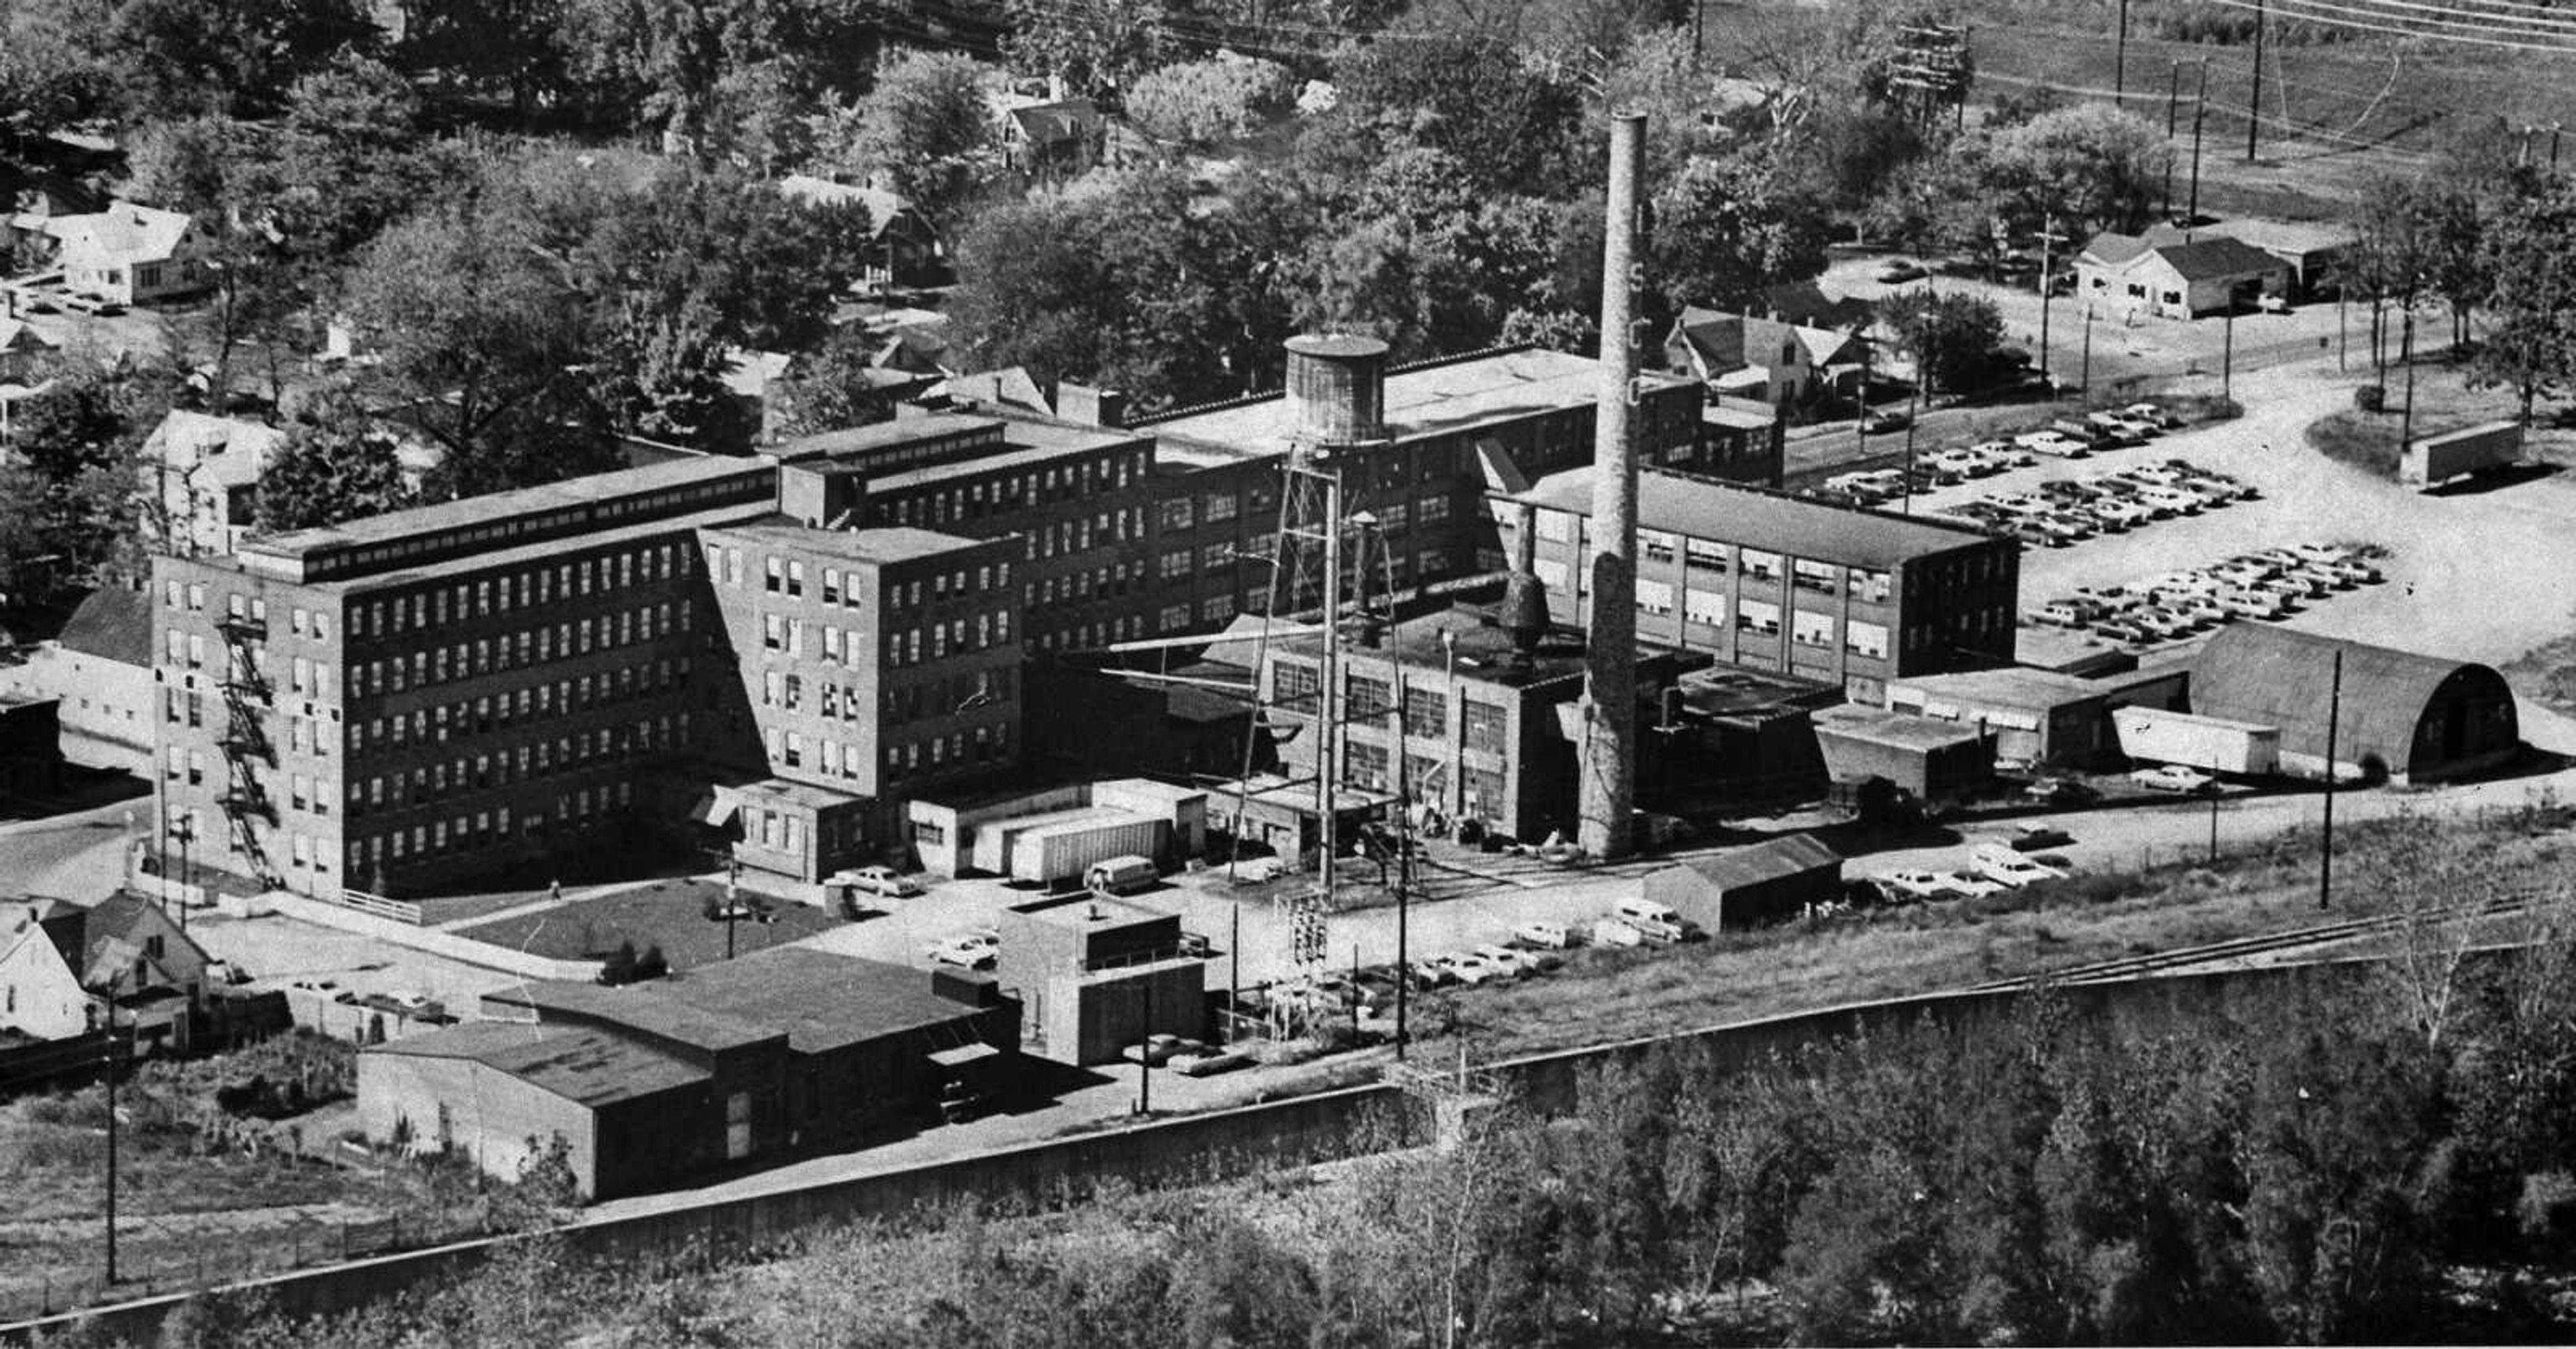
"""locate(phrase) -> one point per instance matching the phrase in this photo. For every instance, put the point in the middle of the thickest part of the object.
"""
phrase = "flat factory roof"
(1420, 402)
(1699, 509)
(586, 1065)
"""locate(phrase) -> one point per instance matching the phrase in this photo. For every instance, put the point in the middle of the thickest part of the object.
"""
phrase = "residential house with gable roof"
(130, 254)
(1775, 361)
(98, 671)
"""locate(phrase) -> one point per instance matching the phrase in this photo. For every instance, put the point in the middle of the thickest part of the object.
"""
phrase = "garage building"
(1744, 887)
(2403, 716)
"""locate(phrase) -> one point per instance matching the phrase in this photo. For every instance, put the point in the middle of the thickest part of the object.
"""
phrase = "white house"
(2123, 274)
(40, 996)
(99, 674)
(130, 254)
(1776, 362)
(205, 470)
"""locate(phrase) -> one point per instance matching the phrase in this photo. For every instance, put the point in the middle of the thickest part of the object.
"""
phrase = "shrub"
(2370, 398)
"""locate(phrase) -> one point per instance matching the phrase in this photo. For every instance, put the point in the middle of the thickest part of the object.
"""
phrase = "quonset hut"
(2403, 717)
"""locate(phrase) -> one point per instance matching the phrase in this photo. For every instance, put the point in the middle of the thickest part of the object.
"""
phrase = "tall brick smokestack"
(1609, 750)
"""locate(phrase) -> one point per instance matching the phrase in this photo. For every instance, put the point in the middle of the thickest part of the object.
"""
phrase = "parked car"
(974, 951)
(2173, 778)
(2033, 837)
(1878, 422)
(1519, 964)
(1542, 935)
(1613, 932)
(2056, 444)
(2067, 613)
(2355, 570)
(1914, 885)
(2251, 603)
(1901, 270)
(2059, 791)
(2124, 630)
(2008, 868)
(2029, 532)
(1256, 870)
(1968, 885)
(2320, 552)
(1470, 969)
(1431, 974)
(877, 881)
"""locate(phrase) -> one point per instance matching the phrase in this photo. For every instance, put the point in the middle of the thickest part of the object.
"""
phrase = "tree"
(1726, 229)
(2089, 167)
(1094, 47)
(1951, 337)
(619, 967)
(829, 388)
(481, 343)
(179, 58)
(334, 464)
(652, 964)
(1121, 283)
(1505, 125)
(927, 126)
(2530, 252)
(516, 46)
(1205, 103)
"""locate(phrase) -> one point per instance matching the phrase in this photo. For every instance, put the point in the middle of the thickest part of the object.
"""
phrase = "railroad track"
(2322, 934)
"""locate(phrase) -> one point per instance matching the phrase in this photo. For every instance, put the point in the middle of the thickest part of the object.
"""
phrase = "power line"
(2329, 20)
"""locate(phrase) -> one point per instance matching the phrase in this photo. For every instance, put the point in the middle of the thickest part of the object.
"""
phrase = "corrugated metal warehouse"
(2404, 716)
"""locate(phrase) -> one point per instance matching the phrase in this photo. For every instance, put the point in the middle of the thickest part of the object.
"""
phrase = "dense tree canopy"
(336, 463)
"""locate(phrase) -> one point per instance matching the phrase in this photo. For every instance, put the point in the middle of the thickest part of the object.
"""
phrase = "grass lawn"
(1608, 994)
(669, 914)
(2443, 402)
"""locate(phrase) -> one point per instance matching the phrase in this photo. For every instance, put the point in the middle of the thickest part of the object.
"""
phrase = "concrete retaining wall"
(432, 940)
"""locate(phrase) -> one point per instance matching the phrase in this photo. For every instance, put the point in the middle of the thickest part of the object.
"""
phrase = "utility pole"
(1913, 414)
(2343, 334)
(112, 982)
(733, 901)
(2120, 61)
(2227, 353)
(2084, 381)
(2048, 236)
(2213, 808)
(2173, 90)
(2554, 129)
(1234, 973)
(2325, 853)
(2199, 116)
(1609, 746)
(184, 829)
(2254, 115)
(2406, 357)
(1145, 1053)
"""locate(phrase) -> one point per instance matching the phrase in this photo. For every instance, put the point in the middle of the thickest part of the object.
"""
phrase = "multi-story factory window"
(1654, 597)
(1761, 565)
(1364, 766)
(1816, 576)
(1433, 508)
(1217, 608)
(1178, 513)
(1871, 586)
(1222, 506)
(1293, 686)
(1480, 792)
(1658, 545)
(1867, 639)
(1755, 616)
(1366, 699)
(1426, 712)
(1175, 617)
(1483, 726)
(1176, 564)
(1808, 629)
(1704, 606)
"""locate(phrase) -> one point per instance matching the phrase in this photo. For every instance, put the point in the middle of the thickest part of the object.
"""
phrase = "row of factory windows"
(538, 703)
(541, 645)
(1370, 768)
(787, 576)
(483, 772)
(788, 748)
(1295, 687)
(991, 494)
(785, 634)
(434, 608)
(468, 831)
